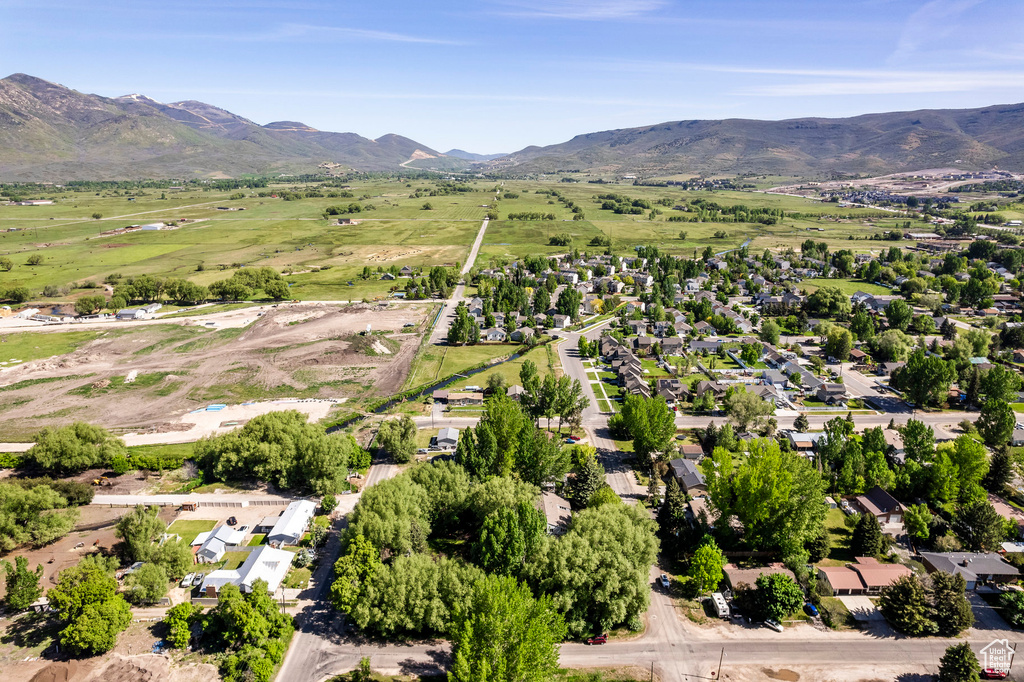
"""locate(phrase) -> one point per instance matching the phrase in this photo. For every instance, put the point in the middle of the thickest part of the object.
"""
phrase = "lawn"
(509, 371)
(436, 362)
(188, 530)
(233, 560)
(26, 346)
(256, 540)
(847, 286)
(840, 536)
(297, 578)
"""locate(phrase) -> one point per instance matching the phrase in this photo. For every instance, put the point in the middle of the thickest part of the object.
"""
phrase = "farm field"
(319, 257)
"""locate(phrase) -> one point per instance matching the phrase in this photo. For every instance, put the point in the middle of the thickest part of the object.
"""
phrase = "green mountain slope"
(873, 143)
(50, 132)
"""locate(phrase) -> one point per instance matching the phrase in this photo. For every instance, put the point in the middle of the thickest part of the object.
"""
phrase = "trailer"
(721, 607)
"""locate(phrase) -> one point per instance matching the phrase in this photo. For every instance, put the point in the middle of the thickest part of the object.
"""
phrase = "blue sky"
(497, 75)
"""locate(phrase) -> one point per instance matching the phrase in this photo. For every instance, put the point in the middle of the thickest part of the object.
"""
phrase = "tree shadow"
(32, 631)
(437, 665)
(915, 677)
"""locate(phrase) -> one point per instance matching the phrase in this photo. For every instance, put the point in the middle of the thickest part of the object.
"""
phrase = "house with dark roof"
(882, 506)
(690, 478)
(975, 567)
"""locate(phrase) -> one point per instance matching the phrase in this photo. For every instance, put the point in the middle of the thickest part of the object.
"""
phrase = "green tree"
(86, 597)
(839, 344)
(87, 305)
(867, 537)
(971, 461)
(397, 437)
(951, 611)
(6, 264)
(147, 584)
(651, 424)
(353, 571)
(917, 520)
(1000, 471)
(898, 314)
(74, 448)
(801, 423)
(174, 556)
(672, 514)
(22, 585)
(706, 565)
(998, 383)
(393, 516)
(508, 536)
(282, 448)
(586, 481)
(778, 496)
(504, 634)
(745, 408)
(918, 441)
(137, 530)
(778, 595)
(905, 605)
(34, 259)
(179, 620)
(979, 526)
(1013, 608)
(925, 379)
(959, 664)
(995, 423)
(770, 331)
(597, 574)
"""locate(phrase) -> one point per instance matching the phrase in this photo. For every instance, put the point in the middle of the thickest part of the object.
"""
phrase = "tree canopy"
(281, 448)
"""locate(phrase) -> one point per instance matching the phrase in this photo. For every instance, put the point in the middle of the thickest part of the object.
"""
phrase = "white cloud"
(586, 10)
(932, 24)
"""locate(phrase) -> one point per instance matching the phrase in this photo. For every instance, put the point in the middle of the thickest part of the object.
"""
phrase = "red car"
(990, 674)
(600, 639)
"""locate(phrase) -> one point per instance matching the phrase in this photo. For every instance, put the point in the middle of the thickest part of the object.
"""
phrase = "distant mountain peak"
(470, 156)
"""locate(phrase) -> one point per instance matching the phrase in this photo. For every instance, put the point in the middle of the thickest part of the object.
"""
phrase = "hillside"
(50, 132)
(872, 143)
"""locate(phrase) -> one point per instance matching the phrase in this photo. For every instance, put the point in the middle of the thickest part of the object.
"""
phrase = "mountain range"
(50, 132)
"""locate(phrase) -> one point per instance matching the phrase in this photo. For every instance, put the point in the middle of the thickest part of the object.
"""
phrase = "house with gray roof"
(690, 478)
(975, 567)
(292, 524)
(263, 563)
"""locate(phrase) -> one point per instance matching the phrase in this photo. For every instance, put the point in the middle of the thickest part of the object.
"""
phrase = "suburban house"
(691, 451)
(493, 334)
(975, 567)
(448, 438)
(522, 334)
(691, 480)
(557, 512)
(213, 544)
(866, 575)
(830, 394)
(884, 507)
(263, 563)
(462, 399)
(515, 391)
(736, 576)
(292, 524)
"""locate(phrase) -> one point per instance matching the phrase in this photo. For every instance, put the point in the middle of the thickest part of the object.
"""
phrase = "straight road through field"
(440, 329)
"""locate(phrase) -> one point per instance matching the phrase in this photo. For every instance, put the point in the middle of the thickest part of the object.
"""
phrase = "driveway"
(862, 610)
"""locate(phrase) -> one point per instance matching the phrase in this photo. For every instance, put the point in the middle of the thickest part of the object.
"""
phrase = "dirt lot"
(298, 351)
(113, 667)
(95, 530)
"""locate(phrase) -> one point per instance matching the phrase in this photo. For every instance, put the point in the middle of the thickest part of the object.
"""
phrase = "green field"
(847, 286)
(27, 346)
(319, 257)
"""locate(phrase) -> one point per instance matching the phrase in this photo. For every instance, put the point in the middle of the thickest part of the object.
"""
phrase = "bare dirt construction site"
(116, 666)
(149, 377)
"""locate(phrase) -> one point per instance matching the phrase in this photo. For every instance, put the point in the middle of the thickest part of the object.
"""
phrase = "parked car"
(600, 639)
(187, 580)
(663, 579)
(198, 580)
(575, 439)
(243, 529)
(774, 625)
(231, 521)
(992, 674)
(570, 441)
(811, 610)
